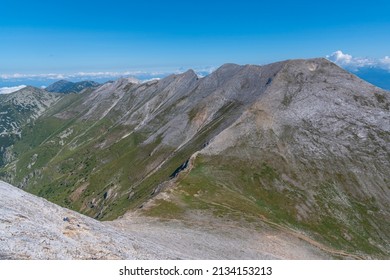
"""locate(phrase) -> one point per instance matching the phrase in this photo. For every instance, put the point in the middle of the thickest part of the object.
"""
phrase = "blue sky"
(64, 37)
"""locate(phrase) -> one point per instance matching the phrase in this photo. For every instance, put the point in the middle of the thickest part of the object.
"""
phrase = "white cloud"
(202, 72)
(51, 76)
(28, 76)
(6, 90)
(149, 80)
(340, 58)
(354, 63)
(385, 62)
(101, 74)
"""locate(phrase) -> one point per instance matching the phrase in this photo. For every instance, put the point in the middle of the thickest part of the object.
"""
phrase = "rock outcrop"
(33, 228)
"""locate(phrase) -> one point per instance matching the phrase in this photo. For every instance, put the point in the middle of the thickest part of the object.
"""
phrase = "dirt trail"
(311, 241)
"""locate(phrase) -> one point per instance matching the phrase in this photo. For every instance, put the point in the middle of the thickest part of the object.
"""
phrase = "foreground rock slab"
(33, 228)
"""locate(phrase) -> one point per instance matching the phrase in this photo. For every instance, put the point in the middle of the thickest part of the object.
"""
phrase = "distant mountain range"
(376, 76)
(373, 74)
(302, 146)
(66, 87)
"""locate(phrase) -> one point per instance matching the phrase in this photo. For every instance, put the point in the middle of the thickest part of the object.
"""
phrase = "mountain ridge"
(303, 143)
(18, 109)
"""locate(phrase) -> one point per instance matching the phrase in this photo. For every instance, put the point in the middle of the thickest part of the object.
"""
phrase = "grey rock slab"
(33, 228)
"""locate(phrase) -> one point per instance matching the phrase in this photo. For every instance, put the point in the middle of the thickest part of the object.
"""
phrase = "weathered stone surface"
(33, 228)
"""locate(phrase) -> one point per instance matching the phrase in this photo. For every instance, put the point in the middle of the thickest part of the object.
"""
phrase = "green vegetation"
(166, 209)
(380, 98)
(234, 189)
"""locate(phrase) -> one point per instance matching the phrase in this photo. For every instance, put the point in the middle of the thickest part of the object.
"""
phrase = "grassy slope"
(88, 167)
(251, 191)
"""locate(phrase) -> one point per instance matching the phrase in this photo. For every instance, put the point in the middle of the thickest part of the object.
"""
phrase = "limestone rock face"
(33, 228)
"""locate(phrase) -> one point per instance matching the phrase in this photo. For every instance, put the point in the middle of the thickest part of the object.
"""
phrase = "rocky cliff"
(33, 228)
